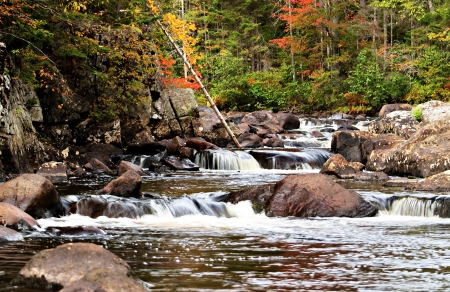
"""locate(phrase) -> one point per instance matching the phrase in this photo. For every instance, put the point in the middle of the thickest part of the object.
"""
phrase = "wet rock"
(96, 165)
(200, 144)
(7, 234)
(75, 266)
(249, 140)
(316, 195)
(33, 194)
(258, 197)
(287, 121)
(273, 142)
(435, 110)
(436, 183)
(400, 123)
(262, 123)
(400, 182)
(15, 218)
(150, 148)
(388, 108)
(127, 185)
(125, 166)
(76, 231)
(348, 144)
(56, 172)
(112, 207)
(371, 176)
(219, 136)
(180, 164)
(338, 166)
(174, 145)
(187, 152)
(273, 159)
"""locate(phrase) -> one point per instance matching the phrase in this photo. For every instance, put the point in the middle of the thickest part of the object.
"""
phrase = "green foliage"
(417, 113)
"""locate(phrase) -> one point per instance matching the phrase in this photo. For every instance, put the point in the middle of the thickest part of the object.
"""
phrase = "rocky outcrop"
(78, 267)
(15, 218)
(33, 194)
(424, 154)
(127, 185)
(315, 195)
(400, 123)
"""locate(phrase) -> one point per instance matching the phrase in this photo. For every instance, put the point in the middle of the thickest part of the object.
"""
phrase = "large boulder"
(78, 267)
(348, 144)
(424, 154)
(33, 194)
(249, 140)
(316, 195)
(389, 108)
(262, 123)
(434, 110)
(400, 123)
(258, 196)
(437, 183)
(288, 121)
(127, 185)
(15, 218)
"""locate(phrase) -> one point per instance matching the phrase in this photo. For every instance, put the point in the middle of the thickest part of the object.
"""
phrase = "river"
(244, 251)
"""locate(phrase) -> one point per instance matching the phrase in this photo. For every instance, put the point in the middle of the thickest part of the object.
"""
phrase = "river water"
(244, 251)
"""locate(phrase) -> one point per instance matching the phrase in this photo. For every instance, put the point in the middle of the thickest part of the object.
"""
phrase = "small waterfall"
(225, 160)
(433, 206)
(159, 206)
(308, 159)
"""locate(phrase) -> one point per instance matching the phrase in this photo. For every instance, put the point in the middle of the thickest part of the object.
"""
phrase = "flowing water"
(185, 240)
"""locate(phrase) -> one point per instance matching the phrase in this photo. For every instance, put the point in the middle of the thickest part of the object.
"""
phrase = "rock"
(127, 185)
(249, 140)
(7, 234)
(424, 154)
(262, 123)
(96, 165)
(436, 183)
(14, 217)
(56, 172)
(258, 197)
(33, 194)
(371, 176)
(150, 148)
(77, 267)
(287, 121)
(187, 152)
(90, 131)
(348, 144)
(84, 154)
(174, 145)
(400, 182)
(200, 144)
(180, 164)
(316, 195)
(358, 166)
(208, 118)
(400, 123)
(125, 166)
(273, 142)
(338, 166)
(112, 207)
(76, 231)
(219, 136)
(243, 127)
(388, 108)
(182, 100)
(435, 110)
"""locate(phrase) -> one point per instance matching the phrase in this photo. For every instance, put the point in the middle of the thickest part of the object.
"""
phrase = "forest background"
(298, 55)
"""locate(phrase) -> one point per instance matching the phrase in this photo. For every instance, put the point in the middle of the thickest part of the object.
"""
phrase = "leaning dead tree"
(197, 79)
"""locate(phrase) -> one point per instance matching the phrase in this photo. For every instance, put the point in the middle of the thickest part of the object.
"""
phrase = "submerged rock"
(316, 195)
(33, 194)
(78, 267)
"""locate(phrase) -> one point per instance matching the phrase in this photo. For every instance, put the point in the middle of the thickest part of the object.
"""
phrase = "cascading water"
(418, 206)
(303, 160)
(225, 160)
